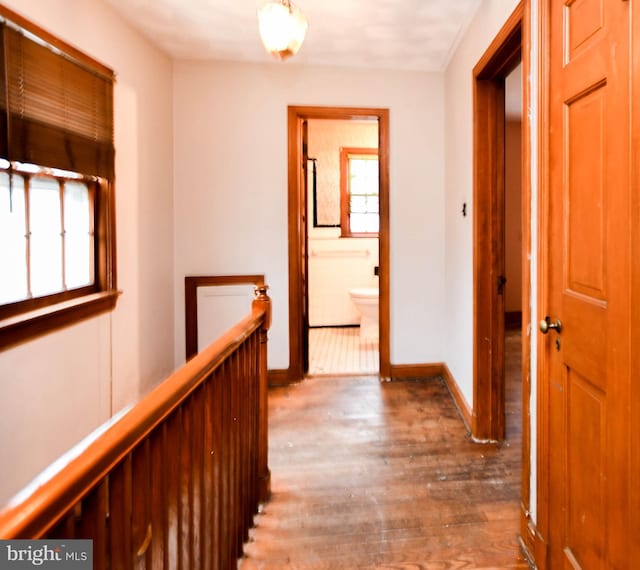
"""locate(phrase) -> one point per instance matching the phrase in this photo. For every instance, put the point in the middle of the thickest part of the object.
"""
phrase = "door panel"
(585, 18)
(588, 360)
(585, 143)
(586, 450)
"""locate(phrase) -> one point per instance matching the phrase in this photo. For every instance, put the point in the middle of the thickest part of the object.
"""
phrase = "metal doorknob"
(546, 325)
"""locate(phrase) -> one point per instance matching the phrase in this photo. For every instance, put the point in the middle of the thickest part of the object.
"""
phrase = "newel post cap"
(262, 301)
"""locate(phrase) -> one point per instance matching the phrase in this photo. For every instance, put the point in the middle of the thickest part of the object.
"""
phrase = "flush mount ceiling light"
(282, 28)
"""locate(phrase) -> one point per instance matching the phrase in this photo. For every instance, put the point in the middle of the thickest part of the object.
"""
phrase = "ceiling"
(381, 34)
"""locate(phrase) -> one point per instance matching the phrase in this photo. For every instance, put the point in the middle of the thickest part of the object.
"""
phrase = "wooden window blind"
(58, 112)
(56, 115)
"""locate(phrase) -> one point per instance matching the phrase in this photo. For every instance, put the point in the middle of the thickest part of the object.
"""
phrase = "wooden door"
(587, 371)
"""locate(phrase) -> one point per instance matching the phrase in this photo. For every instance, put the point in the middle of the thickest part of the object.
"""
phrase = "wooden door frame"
(635, 274)
(511, 44)
(540, 547)
(502, 56)
(298, 227)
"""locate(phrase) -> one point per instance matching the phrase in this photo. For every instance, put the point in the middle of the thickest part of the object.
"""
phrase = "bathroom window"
(359, 192)
(57, 210)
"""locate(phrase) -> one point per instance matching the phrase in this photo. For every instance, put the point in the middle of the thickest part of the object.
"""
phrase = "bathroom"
(343, 246)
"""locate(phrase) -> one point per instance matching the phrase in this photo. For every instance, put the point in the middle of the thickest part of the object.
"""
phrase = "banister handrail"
(42, 509)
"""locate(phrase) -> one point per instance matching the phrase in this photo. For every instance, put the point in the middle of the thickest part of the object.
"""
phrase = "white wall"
(231, 186)
(459, 189)
(219, 308)
(58, 388)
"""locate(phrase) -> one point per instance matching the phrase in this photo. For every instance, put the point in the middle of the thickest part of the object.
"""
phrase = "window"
(359, 191)
(47, 232)
(57, 230)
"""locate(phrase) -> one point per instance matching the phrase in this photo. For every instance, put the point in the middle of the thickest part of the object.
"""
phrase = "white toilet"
(366, 301)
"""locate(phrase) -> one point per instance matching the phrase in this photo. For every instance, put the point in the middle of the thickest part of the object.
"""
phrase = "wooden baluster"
(218, 456)
(242, 486)
(251, 440)
(173, 453)
(255, 419)
(225, 486)
(197, 442)
(237, 451)
(233, 454)
(185, 493)
(208, 475)
(93, 524)
(245, 430)
(232, 383)
(120, 515)
(231, 544)
(233, 449)
(230, 444)
(239, 403)
(263, 302)
(247, 437)
(159, 496)
(141, 530)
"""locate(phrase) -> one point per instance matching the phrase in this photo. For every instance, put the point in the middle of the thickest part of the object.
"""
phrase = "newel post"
(262, 302)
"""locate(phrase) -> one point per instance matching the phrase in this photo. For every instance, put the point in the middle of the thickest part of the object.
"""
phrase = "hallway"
(383, 475)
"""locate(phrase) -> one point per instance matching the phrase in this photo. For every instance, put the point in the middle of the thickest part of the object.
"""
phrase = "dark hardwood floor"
(383, 475)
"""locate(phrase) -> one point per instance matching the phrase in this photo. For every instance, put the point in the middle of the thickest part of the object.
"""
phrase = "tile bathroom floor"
(339, 350)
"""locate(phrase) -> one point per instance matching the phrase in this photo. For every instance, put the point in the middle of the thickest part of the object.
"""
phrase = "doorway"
(300, 220)
(490, 282)
(343, 211)
(509, 49)
(513, 261)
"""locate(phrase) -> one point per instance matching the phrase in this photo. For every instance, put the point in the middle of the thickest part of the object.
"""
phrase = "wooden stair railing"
(175, 482)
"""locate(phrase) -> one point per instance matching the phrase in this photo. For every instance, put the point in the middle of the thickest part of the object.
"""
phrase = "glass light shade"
(282, 28)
